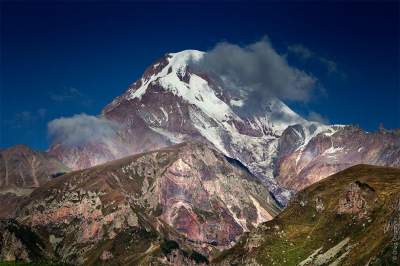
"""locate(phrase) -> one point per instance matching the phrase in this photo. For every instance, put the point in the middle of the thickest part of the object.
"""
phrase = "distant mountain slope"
(22, 170)
(139, 209)
(303, 160)
(350, 218)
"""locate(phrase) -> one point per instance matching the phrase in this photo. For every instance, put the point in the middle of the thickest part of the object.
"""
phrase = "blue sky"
(65, 58)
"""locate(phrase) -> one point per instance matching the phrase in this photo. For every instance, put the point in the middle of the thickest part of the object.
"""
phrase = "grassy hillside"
(350, 218)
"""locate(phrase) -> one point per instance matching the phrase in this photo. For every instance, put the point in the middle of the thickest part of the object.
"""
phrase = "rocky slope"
(173, 102)
(22, 170)
(350, 218)
(301, 162)
(171, 206)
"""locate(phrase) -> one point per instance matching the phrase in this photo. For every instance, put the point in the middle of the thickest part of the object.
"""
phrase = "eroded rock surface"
(355, 199)
(188, 193)
(306, 156)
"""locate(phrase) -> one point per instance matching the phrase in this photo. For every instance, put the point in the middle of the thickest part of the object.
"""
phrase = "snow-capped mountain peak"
(175, 102)
(170, 66)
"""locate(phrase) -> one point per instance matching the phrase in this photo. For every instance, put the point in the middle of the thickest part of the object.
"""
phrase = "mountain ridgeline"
(349, 218)
(186, 174)
(130, 210)
(173, 102)
(21, 171)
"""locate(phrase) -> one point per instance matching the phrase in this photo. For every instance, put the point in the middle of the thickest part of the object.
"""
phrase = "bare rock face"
(355, 200)
(302, 162)
(188, 193)
(22, 170)
(22, 167)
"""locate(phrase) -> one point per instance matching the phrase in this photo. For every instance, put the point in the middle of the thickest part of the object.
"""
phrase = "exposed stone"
(106, 255)
(393, 224)
(319, 204)
(354, 200)
(190, 193)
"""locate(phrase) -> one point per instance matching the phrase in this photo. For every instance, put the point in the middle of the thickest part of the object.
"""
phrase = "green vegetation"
(303, 229)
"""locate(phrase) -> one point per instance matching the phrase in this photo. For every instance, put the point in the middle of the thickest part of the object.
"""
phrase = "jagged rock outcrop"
(189, 193)
(356, 199)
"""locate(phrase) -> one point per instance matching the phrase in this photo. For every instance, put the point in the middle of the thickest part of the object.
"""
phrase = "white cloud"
(81, 128)
(259, 69)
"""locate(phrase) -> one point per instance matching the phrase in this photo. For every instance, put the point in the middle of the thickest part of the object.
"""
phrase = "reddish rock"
(189, 193)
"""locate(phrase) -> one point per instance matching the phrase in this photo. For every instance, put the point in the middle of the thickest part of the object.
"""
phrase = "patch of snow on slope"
(312, 129)
(165, 113)
(333, 150)
(209, 131)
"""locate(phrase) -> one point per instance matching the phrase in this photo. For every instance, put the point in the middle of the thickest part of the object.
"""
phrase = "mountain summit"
(174, 101)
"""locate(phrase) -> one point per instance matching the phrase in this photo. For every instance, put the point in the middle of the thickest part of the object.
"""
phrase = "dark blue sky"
(61, 59)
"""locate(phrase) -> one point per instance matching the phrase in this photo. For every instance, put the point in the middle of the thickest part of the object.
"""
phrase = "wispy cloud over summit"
(316, 117)
(259, 69)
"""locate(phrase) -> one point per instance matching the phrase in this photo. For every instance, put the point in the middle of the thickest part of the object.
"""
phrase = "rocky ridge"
(188, 200)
